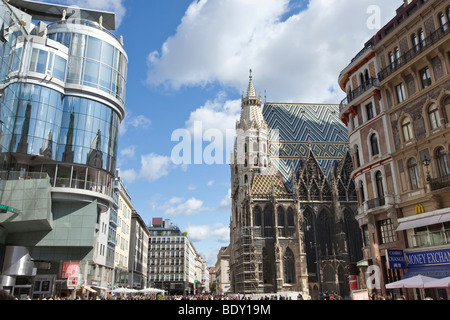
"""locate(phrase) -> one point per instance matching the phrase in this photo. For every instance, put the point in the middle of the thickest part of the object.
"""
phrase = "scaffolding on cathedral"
(249, 270)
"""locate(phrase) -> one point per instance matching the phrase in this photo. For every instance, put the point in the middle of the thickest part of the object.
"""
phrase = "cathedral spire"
(251, 92)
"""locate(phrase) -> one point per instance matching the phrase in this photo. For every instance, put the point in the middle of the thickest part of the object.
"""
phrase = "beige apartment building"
(405, 205)
(125, 208)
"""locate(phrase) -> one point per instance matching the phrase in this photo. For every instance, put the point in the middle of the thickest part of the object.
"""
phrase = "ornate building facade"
(293, 224)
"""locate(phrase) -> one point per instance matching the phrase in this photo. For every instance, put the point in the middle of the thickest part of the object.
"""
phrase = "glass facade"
(93, 62)
(41, 121)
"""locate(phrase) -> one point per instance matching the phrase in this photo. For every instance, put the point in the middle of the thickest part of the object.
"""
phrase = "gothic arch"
(325, 230)
(289, 266)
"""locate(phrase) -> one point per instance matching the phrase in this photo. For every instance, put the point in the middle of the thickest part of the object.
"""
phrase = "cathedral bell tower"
(251, 151)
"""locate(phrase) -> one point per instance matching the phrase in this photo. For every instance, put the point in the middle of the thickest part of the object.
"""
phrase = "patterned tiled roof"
(301, 128)
(268, 183)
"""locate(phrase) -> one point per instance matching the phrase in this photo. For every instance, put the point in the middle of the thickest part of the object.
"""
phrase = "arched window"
(392, 59)
(380, 189)
(289, 266)
(442, 162)
(280, 216)
(433, 116)
(257, 217)
(407, 129)
(268, 222)
(290, 217)
(413, 173)
(374, 144)
(442, 22)
(357, 160)
(361, 193)
(415, 42)
(245, 179)
(397, 56)
(422, 42)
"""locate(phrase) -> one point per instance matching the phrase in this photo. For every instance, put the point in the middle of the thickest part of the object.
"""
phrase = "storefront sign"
(396, 259)
(428, 257)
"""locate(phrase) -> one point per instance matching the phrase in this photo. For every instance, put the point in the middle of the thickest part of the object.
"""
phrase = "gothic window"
(353, 236)
(289, 266)
(413, 173)
(268, 222)
(309, 240)
(442, 162)
(257, 217)
(281, 221)
(324, 233)
(245, 179)
(290, 217)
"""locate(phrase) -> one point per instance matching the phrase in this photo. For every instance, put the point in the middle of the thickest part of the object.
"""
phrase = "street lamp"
(426, 163)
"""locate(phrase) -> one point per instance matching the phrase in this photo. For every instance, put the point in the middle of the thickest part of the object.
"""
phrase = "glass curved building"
(62, 97)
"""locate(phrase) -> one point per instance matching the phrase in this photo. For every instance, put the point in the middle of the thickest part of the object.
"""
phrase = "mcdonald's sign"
(419, 209)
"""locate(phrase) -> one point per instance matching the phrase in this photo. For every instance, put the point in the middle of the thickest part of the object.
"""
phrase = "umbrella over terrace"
(418, 281)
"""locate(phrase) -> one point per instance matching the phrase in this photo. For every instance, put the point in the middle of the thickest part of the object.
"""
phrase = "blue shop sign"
(396, 259)
(428, 257)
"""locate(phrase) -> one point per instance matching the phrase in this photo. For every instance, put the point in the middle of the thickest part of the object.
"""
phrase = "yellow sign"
(419, 209)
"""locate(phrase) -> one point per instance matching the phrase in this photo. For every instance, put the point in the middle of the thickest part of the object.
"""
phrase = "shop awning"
(422, 222)
(88, 289)
(437, 272)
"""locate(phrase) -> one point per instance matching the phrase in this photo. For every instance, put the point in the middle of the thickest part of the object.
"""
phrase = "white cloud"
(153, 167)
(219, 114)
(210, 183)
(225, 203)
(297, 58)
(115, 6)
(187, 208)
(204, 232)
(138, 122)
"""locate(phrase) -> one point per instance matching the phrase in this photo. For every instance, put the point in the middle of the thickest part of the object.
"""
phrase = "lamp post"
(426, 163)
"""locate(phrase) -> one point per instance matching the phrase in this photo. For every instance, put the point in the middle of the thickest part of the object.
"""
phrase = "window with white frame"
(407, 129)
(433, 116)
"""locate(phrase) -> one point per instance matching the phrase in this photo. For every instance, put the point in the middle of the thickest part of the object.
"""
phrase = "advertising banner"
(434, 257)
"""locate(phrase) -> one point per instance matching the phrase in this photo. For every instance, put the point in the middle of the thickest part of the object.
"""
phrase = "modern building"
(172, 259)
(138, 252)
(413, 52)
(62, 86)
(124, 211)
(293, 225)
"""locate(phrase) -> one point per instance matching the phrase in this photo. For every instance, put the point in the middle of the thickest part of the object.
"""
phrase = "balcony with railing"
(440, 183)
(409, 55)
(369, 84)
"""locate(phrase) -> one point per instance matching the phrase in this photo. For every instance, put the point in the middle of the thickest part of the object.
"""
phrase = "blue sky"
(189, 63)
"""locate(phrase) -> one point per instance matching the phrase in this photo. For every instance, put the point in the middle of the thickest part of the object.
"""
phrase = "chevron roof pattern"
(296, 129)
